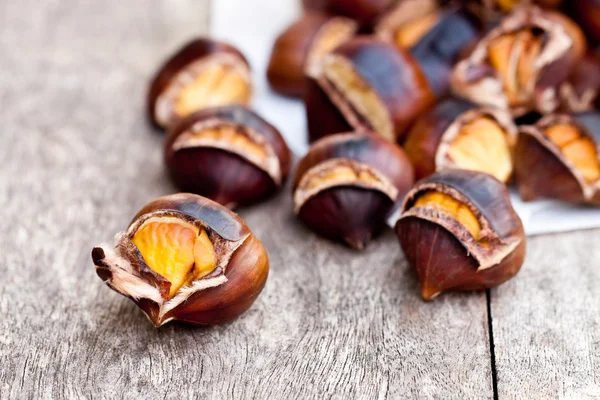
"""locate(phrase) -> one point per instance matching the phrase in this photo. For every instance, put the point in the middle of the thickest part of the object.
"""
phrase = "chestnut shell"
(220, 175)
(366, 12)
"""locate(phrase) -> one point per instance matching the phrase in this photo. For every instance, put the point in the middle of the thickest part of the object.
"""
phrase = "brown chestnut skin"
(428, 141)
(228, 154)
(490, 11)
(347, 185)
(366, 12)
(543, 170)
(520, 63)
(443, 250)
(196, 51)
(387, 84)
(587, 14)
(239, 276)
(581, 92)
(302, 42)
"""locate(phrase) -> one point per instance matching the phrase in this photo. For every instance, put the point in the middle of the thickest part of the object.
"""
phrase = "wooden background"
(78, 160)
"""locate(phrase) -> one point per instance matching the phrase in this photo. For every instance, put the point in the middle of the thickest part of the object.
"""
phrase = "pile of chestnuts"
(464, 97)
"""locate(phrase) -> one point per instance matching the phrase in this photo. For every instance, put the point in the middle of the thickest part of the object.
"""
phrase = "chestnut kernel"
(459, 135)
(459, 231)
(368, 85)
(303, 44)
(559, 158)
(228, 154)
(185, 258)
(519, 64)
(347, 185)
(204, 73)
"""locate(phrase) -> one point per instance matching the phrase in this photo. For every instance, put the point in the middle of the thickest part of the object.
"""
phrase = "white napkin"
(252, 26)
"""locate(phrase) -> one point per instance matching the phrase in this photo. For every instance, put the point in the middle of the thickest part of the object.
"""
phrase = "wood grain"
(78, 160)
(546, 323)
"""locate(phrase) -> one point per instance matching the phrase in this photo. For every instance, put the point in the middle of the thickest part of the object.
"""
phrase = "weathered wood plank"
(78, 160)
(546, 322)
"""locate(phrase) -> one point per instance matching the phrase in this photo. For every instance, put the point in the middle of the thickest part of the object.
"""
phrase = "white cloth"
(252, 26)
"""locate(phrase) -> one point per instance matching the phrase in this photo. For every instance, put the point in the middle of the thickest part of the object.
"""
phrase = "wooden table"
(78, 160)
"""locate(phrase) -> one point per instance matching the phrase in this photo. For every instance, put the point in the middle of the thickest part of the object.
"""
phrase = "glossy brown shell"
(246, 272)
(443, 253)
(394, 75)
(221, 175)
(541, 169)
(348, 213)
(192, 51)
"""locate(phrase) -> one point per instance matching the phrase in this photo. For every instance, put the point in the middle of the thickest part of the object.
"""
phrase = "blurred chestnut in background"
(580, 92)
(436, 40)
(347, 184)
(491, 11)
(185, 258)
(558, 158)
(459, 135)
(204, 73)
(587, 14)
(365, 12)
(459, 231)
(366, 84)
(228, 154)
(520, 63)
(302, 44)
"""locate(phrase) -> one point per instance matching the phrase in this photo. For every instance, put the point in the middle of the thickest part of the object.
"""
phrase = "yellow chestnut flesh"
(216, 85)
(577, 148)
(452, 207)
(177, 250)
(482, 145)
(410, 33)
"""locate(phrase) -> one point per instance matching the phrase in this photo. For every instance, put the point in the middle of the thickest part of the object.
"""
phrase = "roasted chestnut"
(202, 74)
(348, 183)
(185, 258)
(365, 12)
(366, 84)
(436, 40)
(304, 44)
(491, 11)
(459, 231)
(558, 158)
(581, 92)
(458, 135)
(587, 14)
(228, 154)
(520, 63)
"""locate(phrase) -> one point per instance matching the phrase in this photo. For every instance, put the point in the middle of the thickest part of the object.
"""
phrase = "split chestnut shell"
(185, 258)
(202, 74)
(228, 154)
(347, 185)
(459, 231)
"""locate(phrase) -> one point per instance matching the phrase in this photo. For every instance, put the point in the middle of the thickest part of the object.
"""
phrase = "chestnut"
(228, 154)
(459, 231)
(436, 40)
(185, 258)
(520, 63)
(490, 11)
(204, 73)
(366, 12)
(581, 92)
(366, 84)
(304, 43)
(458, 135)
(347, 185)
(558, 158)
(587, 14)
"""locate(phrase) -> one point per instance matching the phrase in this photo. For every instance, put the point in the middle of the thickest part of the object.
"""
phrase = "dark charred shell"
(580, 92)
(194, 50)
(438, 51)
(221, 296)
(542, 171)
(443, 252)
(350, 212)
(393, 75)
(587, 14)
(423, 142)
(474, 79)
(220, 173)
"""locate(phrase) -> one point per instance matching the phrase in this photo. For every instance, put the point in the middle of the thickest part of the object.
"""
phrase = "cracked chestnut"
(303, 44)
(520, 63)
(185, 258)
(347, 185)
(458, 135)
(228, 154)
(202, 74)
(558, 158)
(367, 85)
(459, 231)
